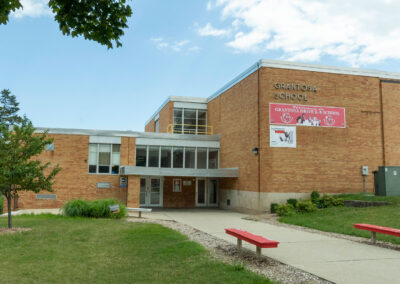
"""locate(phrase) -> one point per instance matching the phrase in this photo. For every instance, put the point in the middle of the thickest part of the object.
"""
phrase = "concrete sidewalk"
(337, 260)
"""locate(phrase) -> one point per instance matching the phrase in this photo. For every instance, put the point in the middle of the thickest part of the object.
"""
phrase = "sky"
(181, 48)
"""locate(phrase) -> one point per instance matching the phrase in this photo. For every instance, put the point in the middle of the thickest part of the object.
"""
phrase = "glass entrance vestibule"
(178, 192)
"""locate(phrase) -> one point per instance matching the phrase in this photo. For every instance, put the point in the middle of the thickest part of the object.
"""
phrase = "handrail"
(195, 129)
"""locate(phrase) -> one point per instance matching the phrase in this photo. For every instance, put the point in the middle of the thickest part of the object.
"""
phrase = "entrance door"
(206, 192)
(150, 192)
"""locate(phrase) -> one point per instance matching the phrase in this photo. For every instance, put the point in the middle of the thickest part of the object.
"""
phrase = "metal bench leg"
(373, 237)
(140, 214)
(258, 251)
(239, 244)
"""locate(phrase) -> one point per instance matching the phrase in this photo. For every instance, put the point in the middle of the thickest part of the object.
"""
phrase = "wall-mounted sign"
(103, 185)
(282, 136)
(187, 183)
(123, 182)
(307, 115)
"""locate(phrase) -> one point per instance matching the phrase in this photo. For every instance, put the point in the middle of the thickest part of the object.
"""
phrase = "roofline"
(177, 99)
(304, 67)
(127, 133)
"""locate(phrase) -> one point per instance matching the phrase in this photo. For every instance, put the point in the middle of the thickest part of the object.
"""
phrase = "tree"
(19, 146)
(98, 20)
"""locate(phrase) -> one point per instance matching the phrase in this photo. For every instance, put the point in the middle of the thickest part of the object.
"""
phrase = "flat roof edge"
(304, 67)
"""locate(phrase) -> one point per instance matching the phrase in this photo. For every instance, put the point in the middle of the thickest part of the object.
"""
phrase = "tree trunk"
(9, 208)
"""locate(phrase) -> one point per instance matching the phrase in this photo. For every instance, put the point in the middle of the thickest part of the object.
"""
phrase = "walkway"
(337, 260)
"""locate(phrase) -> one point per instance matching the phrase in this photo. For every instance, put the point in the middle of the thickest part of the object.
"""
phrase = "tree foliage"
(8, 108)
(19, 147)
(102, 21)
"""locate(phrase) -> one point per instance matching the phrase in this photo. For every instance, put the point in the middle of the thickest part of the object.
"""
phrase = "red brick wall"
(184, 199)
(391, 122)
(234, 116)
(166, 115)
(73, 181)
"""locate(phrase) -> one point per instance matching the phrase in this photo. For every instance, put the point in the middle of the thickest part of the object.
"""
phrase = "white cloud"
(209, 5)
(358, 32)
(33, 8)
(177, 46)
(208, 30)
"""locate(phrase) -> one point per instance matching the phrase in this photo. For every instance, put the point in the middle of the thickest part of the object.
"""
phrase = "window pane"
(201, 158)
(189, 121)
(92, 158)
(104, 158)
(178, 157)
(153, 156)
(116, 148)
(178, 120)
(115, 159)
(141, 156)
(189, 157)
(202, 114)
(166, 157)
(202, 122)
(105, 148)
(104, 169)
(115, 170)
(92, 169)
(212, 158)
(156, 125)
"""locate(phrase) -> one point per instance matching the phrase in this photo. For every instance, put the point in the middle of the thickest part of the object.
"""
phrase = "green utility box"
(387, 181)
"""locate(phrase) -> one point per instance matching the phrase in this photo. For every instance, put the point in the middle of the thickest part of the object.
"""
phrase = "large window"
(104, 158)
(190, 121)
(177, 157)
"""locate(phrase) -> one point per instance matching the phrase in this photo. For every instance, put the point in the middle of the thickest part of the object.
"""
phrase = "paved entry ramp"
(337, 260)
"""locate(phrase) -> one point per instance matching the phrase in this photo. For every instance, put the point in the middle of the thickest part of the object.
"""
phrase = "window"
(178, 157)
(213, 158)
(190, 121)
(173, 157)
(177, 185)
(202, 158)
(166, 157)
(157, 125)
(141, 156)
(190, 156)
(154, 154)
(104, 158)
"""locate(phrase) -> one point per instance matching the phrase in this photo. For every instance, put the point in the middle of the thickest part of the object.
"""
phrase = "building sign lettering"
(287, 91)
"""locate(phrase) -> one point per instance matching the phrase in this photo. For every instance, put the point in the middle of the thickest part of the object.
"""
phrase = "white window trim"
(111, 160)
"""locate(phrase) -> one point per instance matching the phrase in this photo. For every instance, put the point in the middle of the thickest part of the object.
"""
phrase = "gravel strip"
(4, 231)
(273, 219)
(228, 253)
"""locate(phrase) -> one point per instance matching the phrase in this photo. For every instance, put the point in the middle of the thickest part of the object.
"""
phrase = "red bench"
(258, 241)
(377, 229)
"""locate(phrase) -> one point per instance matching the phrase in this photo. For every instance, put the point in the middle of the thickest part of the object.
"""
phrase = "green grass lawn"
(341, 219)
(76, 250)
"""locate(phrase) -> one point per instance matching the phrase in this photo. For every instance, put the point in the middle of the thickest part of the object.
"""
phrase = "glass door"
(150, 191)
(212, 192)
(201, 192)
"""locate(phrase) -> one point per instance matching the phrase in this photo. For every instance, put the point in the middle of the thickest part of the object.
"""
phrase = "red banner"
(307, 115)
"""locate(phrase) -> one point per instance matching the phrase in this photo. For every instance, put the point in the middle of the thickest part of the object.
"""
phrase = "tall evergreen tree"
(19, 148)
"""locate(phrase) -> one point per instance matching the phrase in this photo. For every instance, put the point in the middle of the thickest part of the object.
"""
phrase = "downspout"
(382, 125)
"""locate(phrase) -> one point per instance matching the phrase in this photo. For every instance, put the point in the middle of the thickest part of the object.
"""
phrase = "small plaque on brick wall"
(103, 185)
(46, 196)
(187, 183)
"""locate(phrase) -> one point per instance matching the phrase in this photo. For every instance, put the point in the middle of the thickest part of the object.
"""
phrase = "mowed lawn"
(76, 250)
(341, 219)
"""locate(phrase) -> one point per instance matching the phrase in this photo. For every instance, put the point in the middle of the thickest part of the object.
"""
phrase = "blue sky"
(181, 48)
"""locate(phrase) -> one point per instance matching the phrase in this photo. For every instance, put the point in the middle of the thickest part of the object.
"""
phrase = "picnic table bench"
(140, 210)
(258, 241)
(377, 229)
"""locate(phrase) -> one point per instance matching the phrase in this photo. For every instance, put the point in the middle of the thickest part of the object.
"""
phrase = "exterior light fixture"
(255, 151)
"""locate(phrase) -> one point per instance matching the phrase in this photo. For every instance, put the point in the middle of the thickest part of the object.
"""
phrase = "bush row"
(93, 209)
(316, 201)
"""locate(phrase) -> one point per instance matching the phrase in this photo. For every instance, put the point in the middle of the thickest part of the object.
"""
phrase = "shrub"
(93, 209)
(305, 206)
(285, 210)
(292, 201)
(314, 197)
(329, 201)
(274, 207)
